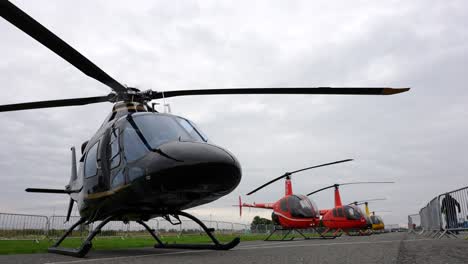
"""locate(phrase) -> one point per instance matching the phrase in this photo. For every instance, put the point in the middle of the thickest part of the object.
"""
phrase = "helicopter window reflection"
(188, 126)
(284, 205)
(376, 219)
(90, 166)
(133, 147)
(205, 138)
(352, 213)
(118, 180)
(300, 206)
(160, 129)
(115, 150)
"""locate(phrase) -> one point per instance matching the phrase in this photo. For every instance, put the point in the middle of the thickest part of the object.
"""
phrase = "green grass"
(102, 243)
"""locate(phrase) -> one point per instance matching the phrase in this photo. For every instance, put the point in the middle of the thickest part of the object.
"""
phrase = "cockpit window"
(133, 146)
(352, 213)
(301, 206)
(115, 149)
(146, 132)
(376, 219)
(90, 166)
(188, 126)
(205, 138)
(160, 129)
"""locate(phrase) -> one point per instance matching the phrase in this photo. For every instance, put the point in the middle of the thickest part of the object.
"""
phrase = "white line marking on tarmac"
(126, 257)
(329, 244)
(261, 246)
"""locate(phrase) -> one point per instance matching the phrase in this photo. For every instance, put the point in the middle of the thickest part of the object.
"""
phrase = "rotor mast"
(288, 186)
(337, 196)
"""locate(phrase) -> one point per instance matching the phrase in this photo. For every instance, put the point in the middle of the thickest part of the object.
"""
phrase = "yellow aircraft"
(378, 225)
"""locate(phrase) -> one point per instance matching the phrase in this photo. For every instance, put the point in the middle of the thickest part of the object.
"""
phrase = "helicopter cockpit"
(145, 132)
(352, 212)
(376, 219)
(300, 206)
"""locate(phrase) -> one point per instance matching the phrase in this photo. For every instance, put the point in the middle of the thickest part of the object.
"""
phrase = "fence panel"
(23, 226)
(17, 226)
(414, 222)
(454, 210)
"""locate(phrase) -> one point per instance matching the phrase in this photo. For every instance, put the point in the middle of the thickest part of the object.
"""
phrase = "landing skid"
(209, 231)
(359, 233)
(335, 234)
(289, 230)
(87, 245)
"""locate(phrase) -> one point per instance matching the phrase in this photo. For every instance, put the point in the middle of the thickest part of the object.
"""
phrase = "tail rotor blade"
(70, 208)
(240, 206)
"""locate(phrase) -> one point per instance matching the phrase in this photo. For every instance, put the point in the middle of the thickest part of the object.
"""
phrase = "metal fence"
(414, 223)
(35, 227)
(445, 215)
(23, 226)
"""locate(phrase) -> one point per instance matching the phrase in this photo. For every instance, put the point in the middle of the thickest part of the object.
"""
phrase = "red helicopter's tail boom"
(324, 211)
(259, 205)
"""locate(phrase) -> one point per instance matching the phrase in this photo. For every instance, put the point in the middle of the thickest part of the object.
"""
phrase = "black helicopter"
(142, 164)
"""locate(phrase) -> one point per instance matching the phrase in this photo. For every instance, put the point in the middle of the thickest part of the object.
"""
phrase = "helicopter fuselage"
(143, 164)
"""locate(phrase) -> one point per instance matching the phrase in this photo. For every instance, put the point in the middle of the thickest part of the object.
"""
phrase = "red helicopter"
(293, 211)
(347, 219)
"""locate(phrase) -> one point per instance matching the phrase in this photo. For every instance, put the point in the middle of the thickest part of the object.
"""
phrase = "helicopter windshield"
(145, 132)
(376, 219)
(352, 212)
(301, 206)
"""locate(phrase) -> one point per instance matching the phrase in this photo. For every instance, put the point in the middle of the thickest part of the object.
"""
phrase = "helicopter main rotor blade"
(55, 103)
(28, 25)
(347, 183)
(291, 90)
(322, 189)
(290, 173)
(368, 200)
(368, 182)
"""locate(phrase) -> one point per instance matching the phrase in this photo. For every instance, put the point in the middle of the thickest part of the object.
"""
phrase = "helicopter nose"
(194, 168)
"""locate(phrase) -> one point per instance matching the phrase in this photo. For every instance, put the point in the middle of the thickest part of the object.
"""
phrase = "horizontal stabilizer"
(40, 190)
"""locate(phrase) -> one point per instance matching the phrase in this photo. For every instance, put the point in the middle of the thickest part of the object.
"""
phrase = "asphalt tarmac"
(383, 248)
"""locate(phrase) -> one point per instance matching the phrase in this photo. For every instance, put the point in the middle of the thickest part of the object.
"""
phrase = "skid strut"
(209, 231)
(289, 230)
(85, 246)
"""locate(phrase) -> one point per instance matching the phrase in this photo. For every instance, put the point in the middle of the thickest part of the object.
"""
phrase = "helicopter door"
(117, 177)
(338, 212)
(92, 168)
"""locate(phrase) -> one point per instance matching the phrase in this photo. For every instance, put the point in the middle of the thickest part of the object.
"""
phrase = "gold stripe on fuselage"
(106, 193)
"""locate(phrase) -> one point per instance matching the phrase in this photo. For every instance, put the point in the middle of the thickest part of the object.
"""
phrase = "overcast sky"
(417, 139)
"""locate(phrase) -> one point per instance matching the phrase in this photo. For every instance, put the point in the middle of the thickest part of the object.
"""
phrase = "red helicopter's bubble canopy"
(301, 206)
(353, 212)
